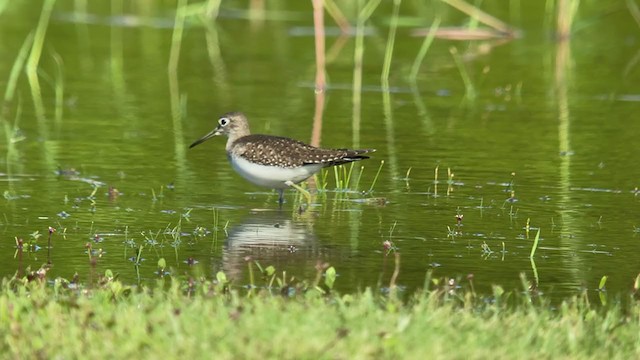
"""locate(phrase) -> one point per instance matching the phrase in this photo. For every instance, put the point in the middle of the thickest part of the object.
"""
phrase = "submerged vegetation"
(197, 318)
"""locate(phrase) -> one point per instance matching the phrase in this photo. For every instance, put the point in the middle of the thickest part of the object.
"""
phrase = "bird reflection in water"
(270, 238)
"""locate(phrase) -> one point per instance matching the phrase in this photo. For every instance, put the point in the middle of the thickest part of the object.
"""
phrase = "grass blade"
(535, 245)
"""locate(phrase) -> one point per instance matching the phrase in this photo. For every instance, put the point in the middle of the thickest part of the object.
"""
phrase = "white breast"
(272, 176)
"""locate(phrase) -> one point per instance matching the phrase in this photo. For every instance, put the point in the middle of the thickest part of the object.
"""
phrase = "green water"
(550, 137)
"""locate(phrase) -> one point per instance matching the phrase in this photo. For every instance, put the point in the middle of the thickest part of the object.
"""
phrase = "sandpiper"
(273, 161)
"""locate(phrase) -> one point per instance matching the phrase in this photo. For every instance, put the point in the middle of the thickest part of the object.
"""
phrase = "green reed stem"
(35, 54)
(252, 282)
(176, 37)
(59, 87)
(478, 15)
(16, 69)
(368, 10)
(426, 44)
(16, 120)
(534, 269)
(216, 223)
(359, 177)
(358, 56)
(126, 238)
(375, 179)
(324, 175)
(139, 255)
(337, 15)
(347, 180)
(468, 84)
(343, 176)
(603, 283)
(175, 234)
(213, 9)
(12, 136)
(535, 245)
(634, 10)
(388, 54)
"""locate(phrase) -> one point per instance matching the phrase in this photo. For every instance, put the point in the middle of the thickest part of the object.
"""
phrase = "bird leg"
(280, 197)
(299, 188)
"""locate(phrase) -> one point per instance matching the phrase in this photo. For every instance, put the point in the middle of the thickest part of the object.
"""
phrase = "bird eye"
(223, 121)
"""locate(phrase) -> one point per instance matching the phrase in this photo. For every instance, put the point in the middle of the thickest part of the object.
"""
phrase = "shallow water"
(550, 138)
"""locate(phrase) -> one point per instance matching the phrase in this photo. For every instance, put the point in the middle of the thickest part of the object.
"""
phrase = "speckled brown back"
(289, 153)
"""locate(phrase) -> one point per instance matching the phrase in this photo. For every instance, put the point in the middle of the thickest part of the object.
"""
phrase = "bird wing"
(288, 153)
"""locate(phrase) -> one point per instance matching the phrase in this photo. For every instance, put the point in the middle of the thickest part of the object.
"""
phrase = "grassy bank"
(41, 319)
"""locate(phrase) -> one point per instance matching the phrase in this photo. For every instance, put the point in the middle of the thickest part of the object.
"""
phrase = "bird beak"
(213, 133)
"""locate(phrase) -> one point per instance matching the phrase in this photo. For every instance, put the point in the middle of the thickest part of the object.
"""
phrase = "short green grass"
(204, 320)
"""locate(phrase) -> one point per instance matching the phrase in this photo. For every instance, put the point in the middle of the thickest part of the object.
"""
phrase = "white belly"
(272, 176)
